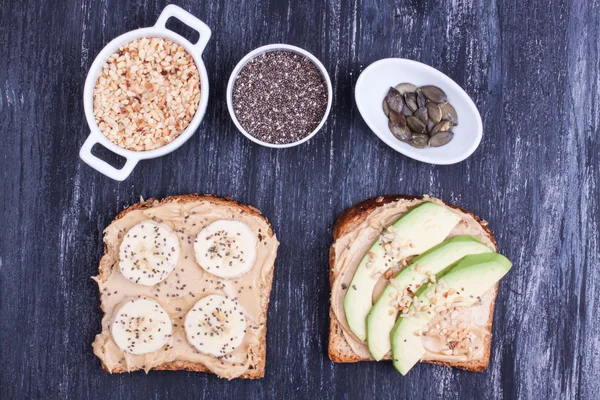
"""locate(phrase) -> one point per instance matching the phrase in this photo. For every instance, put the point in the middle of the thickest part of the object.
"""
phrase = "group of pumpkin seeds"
(420, 116)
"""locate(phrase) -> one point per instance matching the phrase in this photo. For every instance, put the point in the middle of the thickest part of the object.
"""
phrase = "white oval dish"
(372, 86)
(267, 49)
(158, 30)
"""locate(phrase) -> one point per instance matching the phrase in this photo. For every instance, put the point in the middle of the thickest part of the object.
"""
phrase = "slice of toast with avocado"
(390, 251)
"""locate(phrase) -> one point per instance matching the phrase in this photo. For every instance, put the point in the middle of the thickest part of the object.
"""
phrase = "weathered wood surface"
(532, 68)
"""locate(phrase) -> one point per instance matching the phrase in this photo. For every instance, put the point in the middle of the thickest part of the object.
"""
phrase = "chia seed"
(280, 97)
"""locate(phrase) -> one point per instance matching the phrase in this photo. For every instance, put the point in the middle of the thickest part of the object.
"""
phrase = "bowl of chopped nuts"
(146, 93)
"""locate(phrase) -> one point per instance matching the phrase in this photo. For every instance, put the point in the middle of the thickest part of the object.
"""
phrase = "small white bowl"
(267, 49)
(373, 85)
(158, 30)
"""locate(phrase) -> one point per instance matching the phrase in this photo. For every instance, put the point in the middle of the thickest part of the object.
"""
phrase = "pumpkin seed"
(434, 93)
(441, 138)
(441, 127)
(410, 99)
(386, 109)
(394, 100)
(398, 127)
(434, 111)
(449, 113)
(407, 111)
(421, 100)
(415, 124)
(419, 141)
(430, 125)
(398, 118)
(405, 87)
(421, 113)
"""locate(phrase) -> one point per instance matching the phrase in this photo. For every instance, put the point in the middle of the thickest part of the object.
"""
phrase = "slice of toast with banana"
(184, 285)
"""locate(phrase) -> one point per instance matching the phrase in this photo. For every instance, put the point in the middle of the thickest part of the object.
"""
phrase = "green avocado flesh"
(471, 277)
(415, 232)
(383, 315)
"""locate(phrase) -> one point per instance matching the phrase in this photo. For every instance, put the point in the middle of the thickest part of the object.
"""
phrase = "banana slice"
(148, 253)
(215, 325)
(226, 249)
(140, 325)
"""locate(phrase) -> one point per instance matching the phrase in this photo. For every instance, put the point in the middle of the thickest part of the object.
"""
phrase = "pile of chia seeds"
(280, 97)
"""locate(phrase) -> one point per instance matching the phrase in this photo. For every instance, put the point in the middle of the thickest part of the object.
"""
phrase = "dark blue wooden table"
(532, 68)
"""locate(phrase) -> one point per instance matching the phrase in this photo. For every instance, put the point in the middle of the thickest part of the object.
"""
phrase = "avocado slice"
(471, 277)
(415, 232)
(382, 317)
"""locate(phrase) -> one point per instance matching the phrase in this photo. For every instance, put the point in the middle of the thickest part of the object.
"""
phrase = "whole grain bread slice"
(255, 371)
(339, 349)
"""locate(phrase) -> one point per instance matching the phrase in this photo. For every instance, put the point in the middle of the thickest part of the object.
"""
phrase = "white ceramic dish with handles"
(158, 30)
(266, 49)
(373, 85)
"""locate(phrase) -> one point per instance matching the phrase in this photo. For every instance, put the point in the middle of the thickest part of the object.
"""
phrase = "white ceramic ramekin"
(267, 49)
(158, 30)
(375, 81)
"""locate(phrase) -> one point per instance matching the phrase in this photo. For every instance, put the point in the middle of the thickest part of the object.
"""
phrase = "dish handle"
(173, 11)
(102, 166)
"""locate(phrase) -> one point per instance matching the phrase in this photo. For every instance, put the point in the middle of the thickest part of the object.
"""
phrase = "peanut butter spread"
(351, 247)
(187, 284)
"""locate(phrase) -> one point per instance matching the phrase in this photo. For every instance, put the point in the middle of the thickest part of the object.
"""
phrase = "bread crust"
(338, 348)
(255, 372)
